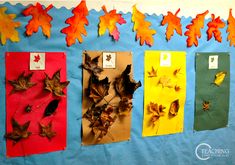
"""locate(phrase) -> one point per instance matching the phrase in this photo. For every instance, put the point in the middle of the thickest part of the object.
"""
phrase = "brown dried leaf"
(206, 105)
(177, 88)
(124, 106)
(152, 73)
(46, 130)
(92, 64)
(165, 82)
(174, 108)
(156, 111)
(176, 71)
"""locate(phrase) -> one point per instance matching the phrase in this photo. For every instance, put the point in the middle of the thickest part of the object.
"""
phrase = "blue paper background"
(169, 149)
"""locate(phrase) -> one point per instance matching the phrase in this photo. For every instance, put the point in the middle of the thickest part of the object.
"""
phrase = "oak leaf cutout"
(174, 108)
(19, 131)
(46, 131)
(142, 28)
(8, 27)
(22, 83)
(77, 23)
(194, 28)
(213, 28)
(109, 21)
(124, 85)
(156, 112)
(231, 29)
(91, 65)
(173, 24)
(54, 85)
(40, 18)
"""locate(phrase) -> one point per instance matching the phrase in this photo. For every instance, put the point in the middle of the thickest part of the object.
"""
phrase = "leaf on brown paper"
(92, 64)
(46, 130)
(156, 112)
(152, 73)
(206, 105)
(51, 108)
(22, 83)
(124, 85)
(19, 131)
(165, 82)
(174, 108)
(54, 85)
(124, 106)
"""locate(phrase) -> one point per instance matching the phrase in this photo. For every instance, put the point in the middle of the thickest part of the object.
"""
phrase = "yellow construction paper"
(164, 93)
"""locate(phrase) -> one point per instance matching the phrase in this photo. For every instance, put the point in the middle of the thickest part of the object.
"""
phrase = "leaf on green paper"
(206, 105)
(231, 28)
(51, 108)
(46, 131)
(92, 64)
(109, 21)
(219, 78)
(77, 23)
(213, 28)
(174, 108)
(8, 27)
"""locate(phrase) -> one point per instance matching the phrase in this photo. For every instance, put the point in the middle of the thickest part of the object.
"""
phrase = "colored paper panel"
(164, 92)
(212, 96)
(38, 99)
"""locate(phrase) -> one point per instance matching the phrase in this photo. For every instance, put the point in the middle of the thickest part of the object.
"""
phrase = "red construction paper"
(16, 63)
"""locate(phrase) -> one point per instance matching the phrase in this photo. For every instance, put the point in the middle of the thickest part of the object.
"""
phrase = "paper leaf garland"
(213, 28)
(194, 28)
(231, 29)
(40, 18)
(8, 27)
(173, 24)
(141, 26)
(108, 21)
(77, 23)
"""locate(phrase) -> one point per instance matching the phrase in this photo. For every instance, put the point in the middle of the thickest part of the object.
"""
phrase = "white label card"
(165, 59)
(109, 60)
(213, 62)
(37, 61)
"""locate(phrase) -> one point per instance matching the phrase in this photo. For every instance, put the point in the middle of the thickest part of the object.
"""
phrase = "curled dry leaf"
(54, 85)
(124, 85)
(156, 111)
(92, 64)
(124, 106)
(174, 108)
(51, 108)
(152, 73)
(46, 130)
(28, 108)
(165, 82)
(19, 131)
(219, 78)
(206, 105)
(98, 89)
(22, 83)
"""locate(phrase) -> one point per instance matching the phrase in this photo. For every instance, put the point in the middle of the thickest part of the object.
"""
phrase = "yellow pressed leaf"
(219, 78)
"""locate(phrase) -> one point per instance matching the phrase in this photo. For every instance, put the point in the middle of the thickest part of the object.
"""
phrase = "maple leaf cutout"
(37, 58)
(77, 23)
(173, 24)
(213, 28)
(7, 27)
(40, 18)
(231, 29)
(108, 21)
(143, 32)
(194, 28)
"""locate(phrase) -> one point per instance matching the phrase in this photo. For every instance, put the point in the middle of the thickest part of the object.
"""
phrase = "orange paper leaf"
(77, 23)
(7, 27)
(40, 18)
(173, 24)
(143, 32)
(194, 29)
(231, 29)
(108, 21)
(213, 28)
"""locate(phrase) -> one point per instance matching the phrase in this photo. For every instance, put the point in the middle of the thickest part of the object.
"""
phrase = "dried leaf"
(22, 83)
(152, 73)
(51, 108)
(40, 18)
(141, 26)
(194, 29)
(28, 108)
(124, 85)
(176, 71)
(165, 82)
(206, 105)
(219, 78)
(213, 28)
(92, 64)
(77, 23)
(177, 88)
(109, 21)
(231, 29)
(54, 85)
(8, 27)
(156, 112)
(46, 131)
(174, 108)
(124, 106)
(19, 131)
(98, 89)
(173, 24)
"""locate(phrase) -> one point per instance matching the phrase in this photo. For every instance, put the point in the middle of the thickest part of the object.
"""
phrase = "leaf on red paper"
(46, 131)
(77, 23)
(194, 28)
(141, 26)
(173, 24)
(7, 27)
(36, 58)
(40, 18)
(213, 28)
(108, 21)
(231, 29)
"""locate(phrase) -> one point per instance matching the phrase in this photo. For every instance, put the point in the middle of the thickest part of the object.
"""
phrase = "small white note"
(109, 60)
(213, 62)
(165, 59)
(37, 61)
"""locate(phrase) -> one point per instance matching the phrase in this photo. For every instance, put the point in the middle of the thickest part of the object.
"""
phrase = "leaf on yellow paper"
(174, 108)
(152, 73)
(213, 28)
(165, 82)
(156, 112)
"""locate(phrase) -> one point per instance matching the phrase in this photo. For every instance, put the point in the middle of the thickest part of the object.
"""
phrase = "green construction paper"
(217, 115)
